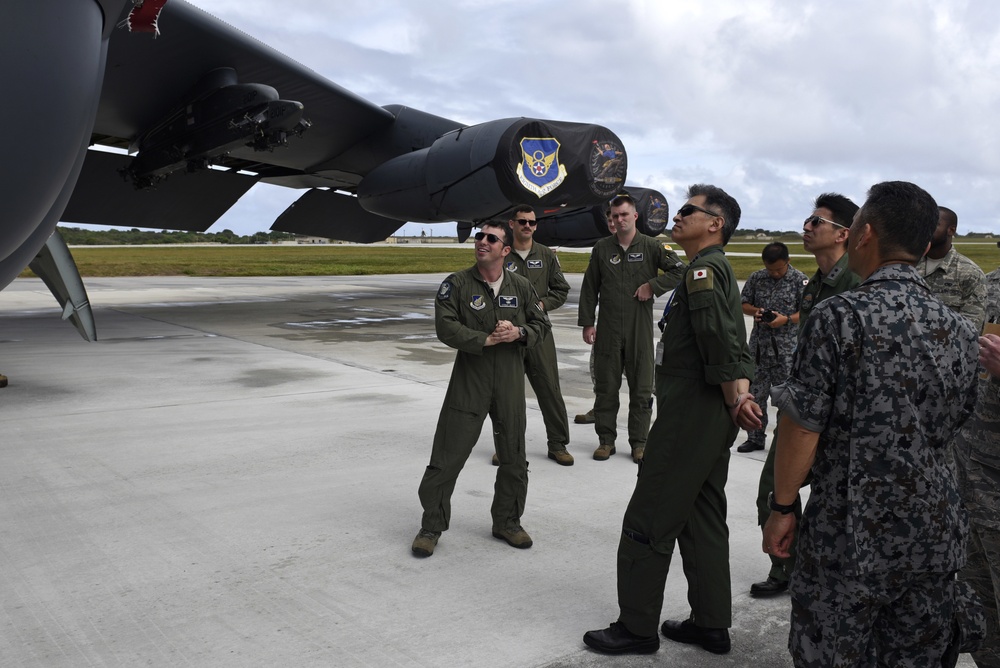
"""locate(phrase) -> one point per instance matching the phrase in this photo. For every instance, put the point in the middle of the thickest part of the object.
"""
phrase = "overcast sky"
(775, 102)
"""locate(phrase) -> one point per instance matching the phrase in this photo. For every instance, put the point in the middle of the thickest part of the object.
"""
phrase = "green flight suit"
(625, 331)
(680, 494)
(484, 380)
(840, 279)
(541, 267)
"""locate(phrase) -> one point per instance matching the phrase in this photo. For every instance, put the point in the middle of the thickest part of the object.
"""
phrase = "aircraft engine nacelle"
(478, 172)
(583, 227)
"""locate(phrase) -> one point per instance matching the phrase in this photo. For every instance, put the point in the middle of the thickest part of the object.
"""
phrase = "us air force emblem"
(507, 302)
(534, 264)
(444, 292)
(540, 170)
(477, 303)
(511, 267)
(635, 257)
(616, 259)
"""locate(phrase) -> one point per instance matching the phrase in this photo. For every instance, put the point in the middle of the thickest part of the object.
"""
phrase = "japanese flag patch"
(700, 279)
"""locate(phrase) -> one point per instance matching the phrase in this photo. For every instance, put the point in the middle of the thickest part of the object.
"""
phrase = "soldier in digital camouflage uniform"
(702, 376)
(824, 234)
(977, 460)
(771, 297)
(489, 315)
(954, 278)
(539, 264)
(623, 276)
(882, 378)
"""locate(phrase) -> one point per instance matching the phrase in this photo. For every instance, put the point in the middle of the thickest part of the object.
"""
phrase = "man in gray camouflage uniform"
(977, 461)
(882, 378)
(954, 278)
(771, 297)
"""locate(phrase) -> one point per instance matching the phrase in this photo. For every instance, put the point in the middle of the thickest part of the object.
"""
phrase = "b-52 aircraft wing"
(206, 112)
(203, 94)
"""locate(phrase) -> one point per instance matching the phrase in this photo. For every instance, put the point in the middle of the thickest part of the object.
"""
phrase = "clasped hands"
(504, 332)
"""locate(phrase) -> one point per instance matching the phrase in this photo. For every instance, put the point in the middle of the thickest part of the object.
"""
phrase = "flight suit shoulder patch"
(700, 279)
(444, 292)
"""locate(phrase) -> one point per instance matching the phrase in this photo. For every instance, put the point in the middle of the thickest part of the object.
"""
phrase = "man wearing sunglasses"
(489, 315)
(622, 277)
(539, 264)
(703, 371)
(824, 234)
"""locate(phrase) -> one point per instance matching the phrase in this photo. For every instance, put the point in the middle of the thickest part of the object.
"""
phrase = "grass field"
(347, 260)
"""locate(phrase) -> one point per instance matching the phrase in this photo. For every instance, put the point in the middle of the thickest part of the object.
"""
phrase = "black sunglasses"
(688, 209)
(816, 221)
(489, 236)
(525, 221)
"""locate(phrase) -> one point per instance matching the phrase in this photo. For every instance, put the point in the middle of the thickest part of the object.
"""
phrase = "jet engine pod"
(583, 227)
(478, 172)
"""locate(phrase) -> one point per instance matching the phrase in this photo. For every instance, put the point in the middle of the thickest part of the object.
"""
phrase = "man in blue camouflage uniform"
(771, 297)
(825, 234)
(489, 315)
(882, 378)
(703, 373)
(953, 278)
(539, 264)
(623, 276)
(977, 461)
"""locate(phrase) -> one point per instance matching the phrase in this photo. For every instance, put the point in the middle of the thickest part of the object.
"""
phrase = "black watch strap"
(778, 508)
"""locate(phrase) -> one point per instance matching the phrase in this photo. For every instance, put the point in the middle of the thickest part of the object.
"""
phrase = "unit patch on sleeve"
(444, 292)
(635, 257)
(534, 264)
(700, 279)
(507, 302)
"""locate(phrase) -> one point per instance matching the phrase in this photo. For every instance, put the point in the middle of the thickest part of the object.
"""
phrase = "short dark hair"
(950, 215)
(903, 216)
(717, 197)
(773, 252)
(842, 208)
(508, 234)
(520, 208)
(623, 198)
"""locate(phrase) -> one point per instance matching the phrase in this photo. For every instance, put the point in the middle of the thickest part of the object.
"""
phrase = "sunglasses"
(525, 221)
(688, 209)
(815, 221)
(492, 238)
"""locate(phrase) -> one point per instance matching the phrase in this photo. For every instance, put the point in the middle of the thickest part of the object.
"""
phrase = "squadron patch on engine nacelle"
(540, 170)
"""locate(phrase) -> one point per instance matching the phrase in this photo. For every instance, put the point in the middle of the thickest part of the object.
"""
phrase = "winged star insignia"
(534, 264)
(635, 257)
(507, 302)
(540, 171)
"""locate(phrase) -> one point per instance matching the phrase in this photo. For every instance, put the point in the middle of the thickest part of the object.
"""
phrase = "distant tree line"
(75, 236)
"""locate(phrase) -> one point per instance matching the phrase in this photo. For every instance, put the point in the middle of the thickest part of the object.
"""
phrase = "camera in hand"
(767, 315)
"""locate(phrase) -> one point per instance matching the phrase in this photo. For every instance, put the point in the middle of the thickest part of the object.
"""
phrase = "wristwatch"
(523, 334)
(778, 508)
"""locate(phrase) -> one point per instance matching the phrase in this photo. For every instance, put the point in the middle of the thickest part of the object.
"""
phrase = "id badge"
(659, 353)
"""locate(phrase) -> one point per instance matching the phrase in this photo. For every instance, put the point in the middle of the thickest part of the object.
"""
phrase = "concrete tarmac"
(228, 477)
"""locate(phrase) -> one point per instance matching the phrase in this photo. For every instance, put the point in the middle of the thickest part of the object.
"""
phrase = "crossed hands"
(504, 332)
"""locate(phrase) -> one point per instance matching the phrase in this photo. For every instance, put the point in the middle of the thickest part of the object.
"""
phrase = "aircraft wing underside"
(204, 94)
